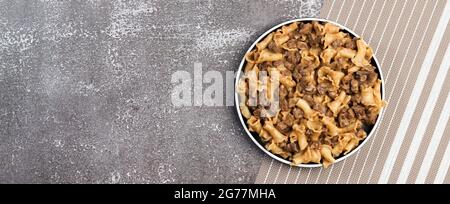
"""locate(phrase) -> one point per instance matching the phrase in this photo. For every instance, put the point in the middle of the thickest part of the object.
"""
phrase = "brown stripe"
(370, 27)
(290, 176)
(363, 17)
(263, 170)
(273, 173)
(325, 8)
(447, 179)
(381, 31)
(439, 156)
(304, 174)
(282, 173)
(313, 176)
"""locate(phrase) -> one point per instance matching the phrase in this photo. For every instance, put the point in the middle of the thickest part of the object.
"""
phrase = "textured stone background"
(85, 89)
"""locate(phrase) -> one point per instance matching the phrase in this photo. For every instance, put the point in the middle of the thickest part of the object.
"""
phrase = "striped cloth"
(411, 39)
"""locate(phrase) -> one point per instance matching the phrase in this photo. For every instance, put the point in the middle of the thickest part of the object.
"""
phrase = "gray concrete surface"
(85, 89)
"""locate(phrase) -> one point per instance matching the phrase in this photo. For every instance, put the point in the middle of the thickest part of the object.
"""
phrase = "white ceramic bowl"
(255, 137)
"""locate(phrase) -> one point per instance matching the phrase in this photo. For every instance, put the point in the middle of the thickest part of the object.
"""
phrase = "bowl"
(255, 137)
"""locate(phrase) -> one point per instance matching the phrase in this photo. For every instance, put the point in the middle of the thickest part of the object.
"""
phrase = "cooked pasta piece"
(340, 101)
(277, 137)
(327, 55)
(268, 56)
(264, 43)
(327, 155)
(360, 57)
(326, 73)
(307, 111)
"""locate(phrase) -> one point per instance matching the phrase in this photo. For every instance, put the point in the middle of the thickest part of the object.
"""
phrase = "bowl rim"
(236, 96)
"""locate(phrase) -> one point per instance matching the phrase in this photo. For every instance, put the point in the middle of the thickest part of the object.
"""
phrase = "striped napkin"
(411, 41)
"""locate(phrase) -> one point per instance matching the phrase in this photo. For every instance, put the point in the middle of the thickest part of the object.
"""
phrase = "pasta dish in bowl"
(309, 92)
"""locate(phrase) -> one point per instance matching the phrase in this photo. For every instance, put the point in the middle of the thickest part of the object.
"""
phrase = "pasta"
(328, 91)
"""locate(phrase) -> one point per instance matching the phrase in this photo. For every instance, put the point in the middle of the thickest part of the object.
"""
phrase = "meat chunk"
(292, 147)
(283, 127)
(360, 112)
(346, 117)
(298, 113)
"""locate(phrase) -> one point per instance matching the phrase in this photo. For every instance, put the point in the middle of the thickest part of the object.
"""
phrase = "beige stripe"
(277, 173)
(349, 13)
(325, 176)
(309, 174)
(298, 175)
(439, 156)
(380, 13)
(329, 10)
(288, 175)
(261, 176)
(334, 12)
(421, 41)
(327, 172)
(283, 174)
(360, 17)
(373, 22)
(350, 5)
(273, 169)
(352, 14)
(443, 171)
(331, 13)
(340, 10)
(447, 179)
